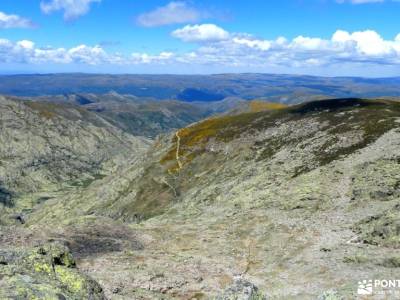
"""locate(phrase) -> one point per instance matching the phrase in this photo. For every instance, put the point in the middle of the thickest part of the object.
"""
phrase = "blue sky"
(317, 37)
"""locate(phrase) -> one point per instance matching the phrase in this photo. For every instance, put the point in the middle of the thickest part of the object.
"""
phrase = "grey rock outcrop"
(44, 272)
(242, 290)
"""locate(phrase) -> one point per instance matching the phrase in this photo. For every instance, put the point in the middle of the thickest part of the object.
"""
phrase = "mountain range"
(207, 88)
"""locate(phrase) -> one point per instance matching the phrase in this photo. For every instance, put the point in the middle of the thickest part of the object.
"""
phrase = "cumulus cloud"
(252, 43)
(365, 42)
(27, 52)
(201, 33)
(14, 21)
(219, 48)
(144, 58)
(175, 12)
(72, 8)
(240, 49)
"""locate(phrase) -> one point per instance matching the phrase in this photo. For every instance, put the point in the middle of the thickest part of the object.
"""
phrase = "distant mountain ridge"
(134, 115)
(277, 88)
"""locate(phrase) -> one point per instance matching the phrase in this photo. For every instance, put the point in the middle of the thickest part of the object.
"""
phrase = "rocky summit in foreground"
(297, 202)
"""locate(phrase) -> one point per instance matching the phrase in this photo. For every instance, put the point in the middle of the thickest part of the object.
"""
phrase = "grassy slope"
(195, 138)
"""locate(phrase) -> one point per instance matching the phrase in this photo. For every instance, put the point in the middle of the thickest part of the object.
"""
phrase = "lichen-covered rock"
(381, 229)
(44, 272)
(242, 290)
(330, 295)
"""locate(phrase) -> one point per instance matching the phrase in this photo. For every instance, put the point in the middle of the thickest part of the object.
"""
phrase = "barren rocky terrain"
(297, 202)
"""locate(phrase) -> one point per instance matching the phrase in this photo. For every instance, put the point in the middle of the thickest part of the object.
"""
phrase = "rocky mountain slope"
(297, 202)
(46, 148)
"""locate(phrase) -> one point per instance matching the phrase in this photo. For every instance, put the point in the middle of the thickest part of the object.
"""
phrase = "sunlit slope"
(207, 157)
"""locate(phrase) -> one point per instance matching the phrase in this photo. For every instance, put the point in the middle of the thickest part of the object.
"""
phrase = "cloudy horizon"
(184, 37)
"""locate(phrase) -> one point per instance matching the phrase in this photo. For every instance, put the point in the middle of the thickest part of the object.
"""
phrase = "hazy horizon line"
(189, 74)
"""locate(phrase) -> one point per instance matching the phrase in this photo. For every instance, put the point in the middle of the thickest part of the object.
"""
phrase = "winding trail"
(178, 146)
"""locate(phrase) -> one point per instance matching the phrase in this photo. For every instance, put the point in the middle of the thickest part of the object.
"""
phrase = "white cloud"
(72, 8)
(175, 12)
(307, 43)
(25, 51)
(88, 55)
(366, 42)
(253, 43)
(25, 44)
(238, 49)
(144, 58)
(14, 21)
(201, 33)
(219, 49)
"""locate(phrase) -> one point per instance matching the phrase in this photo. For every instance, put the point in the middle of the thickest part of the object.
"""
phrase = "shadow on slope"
(86, 239)
(337, 104)
(6, 197)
